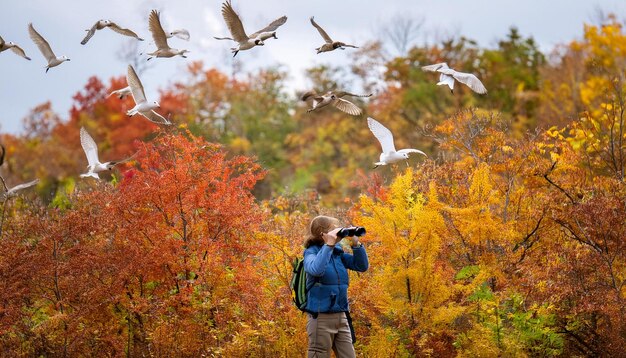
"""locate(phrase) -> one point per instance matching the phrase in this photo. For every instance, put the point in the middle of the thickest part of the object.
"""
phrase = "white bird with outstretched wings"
(160, 38)
(235, 27)
(142, 106)
(45, 49)
(101, 24)
(448, 76)
(13, 47)
(91, 151)
(385, 137)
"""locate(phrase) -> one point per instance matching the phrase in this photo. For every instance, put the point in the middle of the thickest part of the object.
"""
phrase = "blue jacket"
(327, 276)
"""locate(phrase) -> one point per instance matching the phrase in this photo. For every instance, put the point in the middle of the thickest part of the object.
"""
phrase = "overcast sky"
(24, 84)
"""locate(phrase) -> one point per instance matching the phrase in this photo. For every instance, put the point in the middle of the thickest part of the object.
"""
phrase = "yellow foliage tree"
(407, 283)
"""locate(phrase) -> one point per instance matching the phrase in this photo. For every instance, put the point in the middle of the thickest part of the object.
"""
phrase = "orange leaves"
(175, 256)
(173, 245)
(189, 185)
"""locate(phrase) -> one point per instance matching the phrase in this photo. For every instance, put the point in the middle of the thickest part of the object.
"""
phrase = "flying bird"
(45, 49)
(142, 106)
(121, 93)
(101, 24)
(9, 193)
(330, 44)
(384, 136)
(91, 151)
(238, 33)
(448, 76)
(334, 98)
(15, 48)
(160, 39)
(263, 36)
(180, 33)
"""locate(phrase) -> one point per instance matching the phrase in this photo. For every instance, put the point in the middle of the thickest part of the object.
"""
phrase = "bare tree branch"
(129, 53)
(401, 31)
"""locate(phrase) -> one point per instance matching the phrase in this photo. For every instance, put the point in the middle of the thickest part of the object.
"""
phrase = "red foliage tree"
(162, 263)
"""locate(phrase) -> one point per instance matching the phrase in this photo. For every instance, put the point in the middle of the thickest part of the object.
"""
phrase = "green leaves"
(467, 272)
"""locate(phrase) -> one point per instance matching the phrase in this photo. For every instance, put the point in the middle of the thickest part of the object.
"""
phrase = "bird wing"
(18, 50)
(233, 22)
(310, 94)
(342, 44)
(1, 41)
(154, 117)
(271, 27)
(321, 31)
(16, 188)
(347, 106)
(471, 81)
(41, 43)
(181, 34)
(90, 33)
(136, 88)
(128, 159)
(158, 35)
(341, 94)
(383, 135)
(89, 146)
(436, 67)
(124, 31)
(411, 150)
(122, 92)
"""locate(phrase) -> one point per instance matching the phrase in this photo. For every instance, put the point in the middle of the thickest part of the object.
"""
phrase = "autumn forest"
(508, 240)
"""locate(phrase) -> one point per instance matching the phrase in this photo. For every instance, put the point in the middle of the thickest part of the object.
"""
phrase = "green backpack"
(298, 284)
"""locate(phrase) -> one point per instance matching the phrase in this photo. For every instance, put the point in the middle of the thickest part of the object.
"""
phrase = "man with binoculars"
(329, 325)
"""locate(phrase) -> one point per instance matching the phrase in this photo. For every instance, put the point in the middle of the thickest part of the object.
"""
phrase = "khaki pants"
(329, 331)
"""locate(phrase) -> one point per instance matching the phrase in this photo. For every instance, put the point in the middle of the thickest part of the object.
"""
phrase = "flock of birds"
(145, 108)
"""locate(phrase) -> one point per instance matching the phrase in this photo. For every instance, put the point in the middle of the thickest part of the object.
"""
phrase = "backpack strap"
(351, 327)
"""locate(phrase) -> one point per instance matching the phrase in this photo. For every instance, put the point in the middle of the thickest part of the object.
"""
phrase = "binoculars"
(351, 231)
